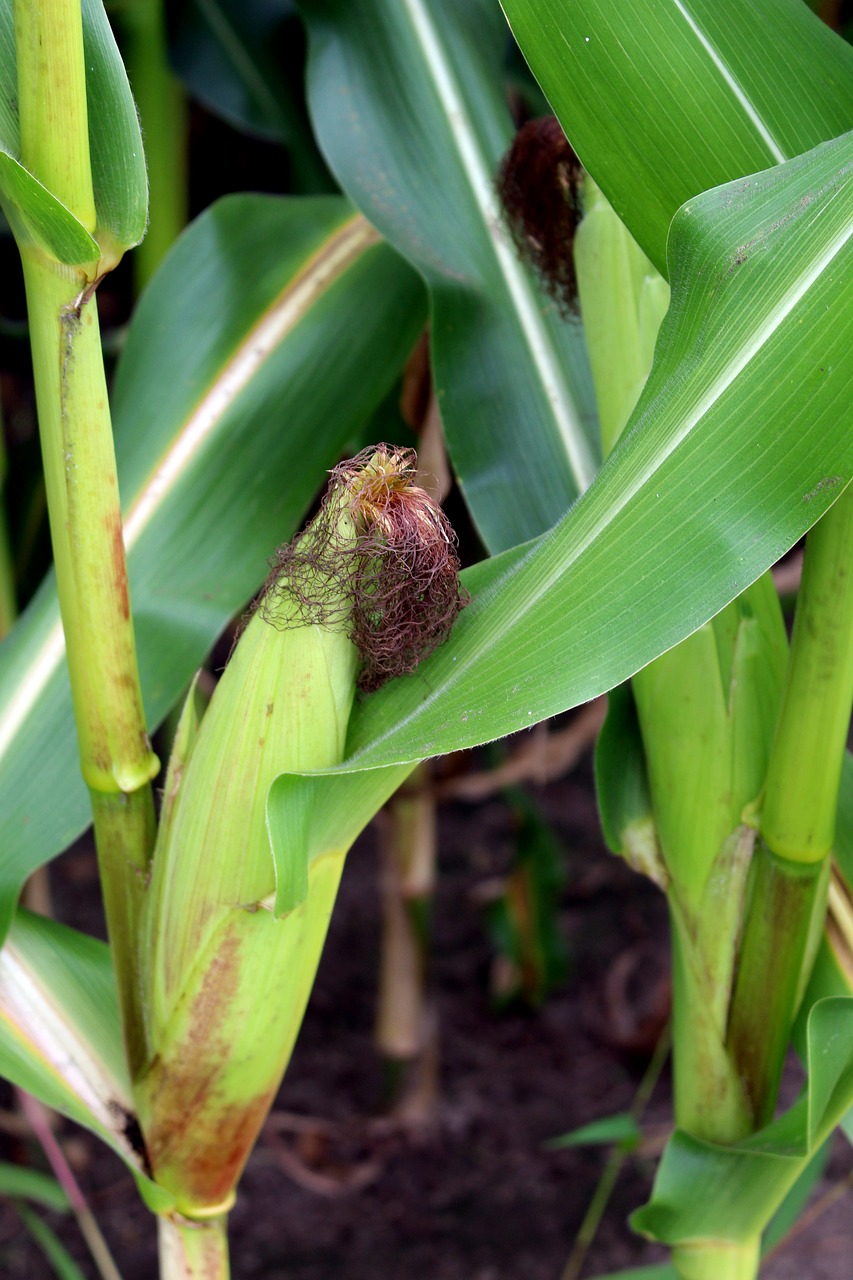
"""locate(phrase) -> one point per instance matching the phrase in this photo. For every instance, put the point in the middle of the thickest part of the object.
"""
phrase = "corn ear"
(232, 938)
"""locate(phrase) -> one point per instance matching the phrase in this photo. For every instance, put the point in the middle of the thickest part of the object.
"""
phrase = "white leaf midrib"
(777, 151)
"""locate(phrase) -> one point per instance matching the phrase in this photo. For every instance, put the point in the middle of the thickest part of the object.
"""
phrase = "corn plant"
(713, 372)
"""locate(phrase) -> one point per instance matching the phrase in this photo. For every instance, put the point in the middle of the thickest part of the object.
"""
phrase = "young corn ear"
(226, 982)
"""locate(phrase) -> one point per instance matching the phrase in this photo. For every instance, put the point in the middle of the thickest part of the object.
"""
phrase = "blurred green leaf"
(705, 93)
(32, 1184)
(796, 1200)
(408, 106)
(832, 974)
(263, 344)
(60, 1037)
(622, 1129)
(707, 1192)
(692, 505)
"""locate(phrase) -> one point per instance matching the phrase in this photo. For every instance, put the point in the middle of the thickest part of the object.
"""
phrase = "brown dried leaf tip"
(538, 185)
(378, 561)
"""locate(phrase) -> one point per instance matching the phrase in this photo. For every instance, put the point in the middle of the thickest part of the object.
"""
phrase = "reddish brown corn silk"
(378, 561)
(538, 186)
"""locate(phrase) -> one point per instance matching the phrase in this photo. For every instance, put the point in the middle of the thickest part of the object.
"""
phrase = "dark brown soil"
(337, 1189)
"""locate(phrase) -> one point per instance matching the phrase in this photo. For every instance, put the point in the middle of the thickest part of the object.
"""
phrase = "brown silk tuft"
(538, 187)
(393, 586)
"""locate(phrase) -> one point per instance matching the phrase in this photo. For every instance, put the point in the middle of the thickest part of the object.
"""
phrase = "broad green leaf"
(118, 161)
(32, 1184)
(60, 1037)
(408, 107)
(739, 442)
(707, 1192)
(621, 1128)
(686, 95)
(263, 344)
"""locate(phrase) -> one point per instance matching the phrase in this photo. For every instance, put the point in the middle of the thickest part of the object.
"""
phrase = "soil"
(471, 1190)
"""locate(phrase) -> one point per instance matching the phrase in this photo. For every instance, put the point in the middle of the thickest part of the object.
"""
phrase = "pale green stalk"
(81, 484)
(196, 1250)
(704, 757)
(798, 814)
(720, 1261)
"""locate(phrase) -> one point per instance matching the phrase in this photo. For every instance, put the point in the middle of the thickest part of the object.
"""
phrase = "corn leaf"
(32, 1184)
(620, 1128)
(244, 60)
(739, 442)
(60, 1037)
(796, 1200)
(268, 337)
(408, 108)
(707, 1192)
(702, 96)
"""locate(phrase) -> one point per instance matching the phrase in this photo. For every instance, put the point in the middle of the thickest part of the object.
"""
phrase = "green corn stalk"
(70, 232)
(232, 938)
(798, 814)
(707, 711)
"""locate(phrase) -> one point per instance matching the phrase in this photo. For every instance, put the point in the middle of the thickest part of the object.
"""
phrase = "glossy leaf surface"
(264, 343)
(407, 104)
(705, 93)
(741, 439)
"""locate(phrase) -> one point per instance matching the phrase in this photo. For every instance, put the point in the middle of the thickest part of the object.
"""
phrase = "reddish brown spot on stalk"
(538, 185)
(119, 561)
